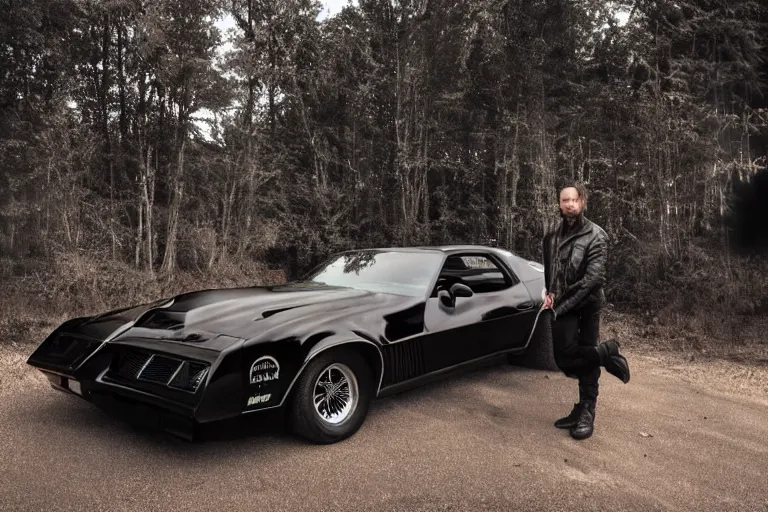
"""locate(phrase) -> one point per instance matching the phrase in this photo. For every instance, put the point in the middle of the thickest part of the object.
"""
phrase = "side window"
(478, 272)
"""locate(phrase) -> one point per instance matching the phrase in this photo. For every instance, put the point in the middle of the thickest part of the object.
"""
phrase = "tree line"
(129, 130)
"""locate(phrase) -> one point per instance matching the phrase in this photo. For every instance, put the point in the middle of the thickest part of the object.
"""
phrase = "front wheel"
(332, 397)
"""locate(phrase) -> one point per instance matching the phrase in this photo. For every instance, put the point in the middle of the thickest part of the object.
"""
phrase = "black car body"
(364, 324)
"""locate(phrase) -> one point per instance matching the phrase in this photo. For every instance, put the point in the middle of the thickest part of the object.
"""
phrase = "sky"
(332, 7)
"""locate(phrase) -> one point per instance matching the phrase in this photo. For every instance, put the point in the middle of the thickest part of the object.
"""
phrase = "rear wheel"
(539, 354)
(332, 397)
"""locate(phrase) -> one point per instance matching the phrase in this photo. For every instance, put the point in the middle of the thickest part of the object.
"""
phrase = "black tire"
(540, 354)
(304, 418)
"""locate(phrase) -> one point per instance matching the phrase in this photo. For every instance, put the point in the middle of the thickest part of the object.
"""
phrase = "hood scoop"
(191, 337)
(163, 319)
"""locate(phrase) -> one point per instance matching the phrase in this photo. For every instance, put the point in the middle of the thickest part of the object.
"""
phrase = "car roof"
(448, 249)
(458, 248)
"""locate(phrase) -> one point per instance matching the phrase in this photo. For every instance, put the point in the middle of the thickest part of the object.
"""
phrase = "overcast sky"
(333, 6)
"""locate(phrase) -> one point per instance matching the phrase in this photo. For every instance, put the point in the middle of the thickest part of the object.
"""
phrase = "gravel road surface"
(483, 441)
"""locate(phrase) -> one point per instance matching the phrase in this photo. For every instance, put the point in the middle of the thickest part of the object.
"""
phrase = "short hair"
(581, 189)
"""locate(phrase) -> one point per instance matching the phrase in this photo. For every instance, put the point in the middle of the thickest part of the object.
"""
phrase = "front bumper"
(117, 389)
(131, 406)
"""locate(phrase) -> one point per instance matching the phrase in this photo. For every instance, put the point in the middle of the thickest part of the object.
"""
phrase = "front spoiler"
(132, 406)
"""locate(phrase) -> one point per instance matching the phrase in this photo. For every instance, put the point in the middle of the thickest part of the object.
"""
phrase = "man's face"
(570, 203)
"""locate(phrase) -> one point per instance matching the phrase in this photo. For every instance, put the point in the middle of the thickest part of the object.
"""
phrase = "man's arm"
(594, 276)
(546, 253)
(545, 260)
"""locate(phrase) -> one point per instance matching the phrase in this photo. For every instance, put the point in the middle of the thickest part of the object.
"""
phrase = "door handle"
(524, 306)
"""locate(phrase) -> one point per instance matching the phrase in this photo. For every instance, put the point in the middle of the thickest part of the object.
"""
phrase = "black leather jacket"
(583, 253)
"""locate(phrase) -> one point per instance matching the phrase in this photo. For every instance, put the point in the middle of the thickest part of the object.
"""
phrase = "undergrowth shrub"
(36, 298)
(708, 291)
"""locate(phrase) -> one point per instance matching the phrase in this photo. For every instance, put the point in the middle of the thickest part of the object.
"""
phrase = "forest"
(145, 150)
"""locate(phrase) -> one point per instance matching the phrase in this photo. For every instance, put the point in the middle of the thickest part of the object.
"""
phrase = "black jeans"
(574, 336)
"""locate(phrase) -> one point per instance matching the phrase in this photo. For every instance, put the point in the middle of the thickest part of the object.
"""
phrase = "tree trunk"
(139, 235)
(121, 83)
(148, 203)
(169, 259)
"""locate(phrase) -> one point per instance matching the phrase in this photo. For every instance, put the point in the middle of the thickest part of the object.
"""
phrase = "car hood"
(200, 316)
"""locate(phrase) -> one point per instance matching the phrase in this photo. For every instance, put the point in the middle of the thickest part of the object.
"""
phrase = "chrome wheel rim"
(335, 394)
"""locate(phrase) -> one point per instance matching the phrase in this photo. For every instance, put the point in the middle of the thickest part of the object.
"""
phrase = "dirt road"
(484, 441)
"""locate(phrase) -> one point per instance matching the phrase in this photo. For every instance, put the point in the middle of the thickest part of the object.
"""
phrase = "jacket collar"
(582, 227)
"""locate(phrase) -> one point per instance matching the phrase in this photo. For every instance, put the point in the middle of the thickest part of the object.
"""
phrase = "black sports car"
(364, 324)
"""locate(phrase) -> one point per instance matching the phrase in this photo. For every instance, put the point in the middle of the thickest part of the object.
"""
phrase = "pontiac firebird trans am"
(364, 324)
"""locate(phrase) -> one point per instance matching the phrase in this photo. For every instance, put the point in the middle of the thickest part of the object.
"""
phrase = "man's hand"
(549, 301)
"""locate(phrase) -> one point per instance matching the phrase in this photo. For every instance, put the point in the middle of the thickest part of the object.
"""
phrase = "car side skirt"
(437, 375)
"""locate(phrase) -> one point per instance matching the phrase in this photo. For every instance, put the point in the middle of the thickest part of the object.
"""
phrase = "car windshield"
(400, 273)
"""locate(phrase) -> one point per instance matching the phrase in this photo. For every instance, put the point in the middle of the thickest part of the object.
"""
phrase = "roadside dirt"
(14, 372)
(481, 441)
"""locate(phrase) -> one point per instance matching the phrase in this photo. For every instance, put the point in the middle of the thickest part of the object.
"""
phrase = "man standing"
(575, 254)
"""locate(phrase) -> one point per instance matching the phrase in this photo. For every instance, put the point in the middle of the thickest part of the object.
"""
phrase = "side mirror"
(461, 290)
(445, 298)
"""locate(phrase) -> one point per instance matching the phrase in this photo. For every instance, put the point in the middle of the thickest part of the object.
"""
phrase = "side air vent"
(270, 312)
(403, 361)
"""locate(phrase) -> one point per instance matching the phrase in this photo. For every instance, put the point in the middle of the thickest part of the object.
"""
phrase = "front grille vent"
(159, 369)
(131, 363)
(189, 376)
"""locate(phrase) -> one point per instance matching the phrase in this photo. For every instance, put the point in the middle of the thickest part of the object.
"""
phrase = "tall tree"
(182, 36)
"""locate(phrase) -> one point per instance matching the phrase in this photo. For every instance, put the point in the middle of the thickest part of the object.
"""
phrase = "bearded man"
(575, 254)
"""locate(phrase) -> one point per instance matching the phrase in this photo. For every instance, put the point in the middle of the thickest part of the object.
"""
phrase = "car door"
(493, 319)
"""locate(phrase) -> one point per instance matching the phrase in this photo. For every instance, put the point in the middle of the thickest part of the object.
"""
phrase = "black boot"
(614, 363)
(585, 424)
(570, 420)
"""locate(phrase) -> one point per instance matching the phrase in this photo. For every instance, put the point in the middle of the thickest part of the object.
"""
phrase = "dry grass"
(76, 286)
(692, 354)
(707, 299)
(690, 336)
